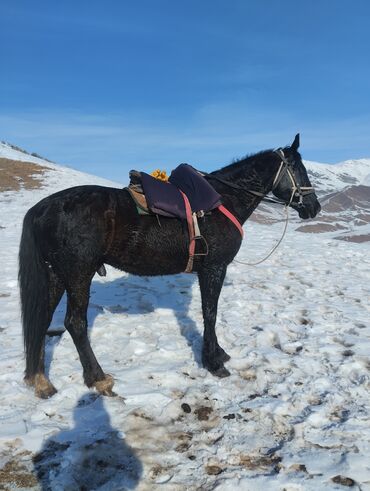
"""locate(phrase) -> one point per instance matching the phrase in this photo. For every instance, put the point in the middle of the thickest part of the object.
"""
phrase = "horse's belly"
(151, 260)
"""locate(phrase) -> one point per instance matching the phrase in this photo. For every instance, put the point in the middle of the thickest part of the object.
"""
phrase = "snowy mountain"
(329, 178)
(344, 193)
(294, 414)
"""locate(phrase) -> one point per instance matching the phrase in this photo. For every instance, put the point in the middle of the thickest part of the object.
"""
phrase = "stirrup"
(205, 245)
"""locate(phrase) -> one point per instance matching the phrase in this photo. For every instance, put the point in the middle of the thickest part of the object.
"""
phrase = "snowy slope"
(59, 177)
(294, 414)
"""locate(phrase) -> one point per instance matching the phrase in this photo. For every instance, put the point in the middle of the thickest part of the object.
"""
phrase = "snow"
(293, 414)
(366, 180)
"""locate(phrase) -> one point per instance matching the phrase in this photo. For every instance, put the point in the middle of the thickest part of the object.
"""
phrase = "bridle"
(286, 167)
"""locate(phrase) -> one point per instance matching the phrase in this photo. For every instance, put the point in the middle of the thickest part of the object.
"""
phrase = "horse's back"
(72, 199)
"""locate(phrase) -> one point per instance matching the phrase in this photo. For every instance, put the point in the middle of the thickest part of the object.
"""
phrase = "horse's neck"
(254, 174)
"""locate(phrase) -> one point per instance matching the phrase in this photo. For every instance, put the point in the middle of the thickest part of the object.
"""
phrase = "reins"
(245, 263)
(301, 191)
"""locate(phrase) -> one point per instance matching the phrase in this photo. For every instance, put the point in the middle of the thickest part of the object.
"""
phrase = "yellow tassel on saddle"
(160, 174)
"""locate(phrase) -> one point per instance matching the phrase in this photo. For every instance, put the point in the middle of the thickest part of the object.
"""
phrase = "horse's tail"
(34, 292)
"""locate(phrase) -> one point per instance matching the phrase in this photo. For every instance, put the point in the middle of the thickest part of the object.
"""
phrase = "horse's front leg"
(213, 356)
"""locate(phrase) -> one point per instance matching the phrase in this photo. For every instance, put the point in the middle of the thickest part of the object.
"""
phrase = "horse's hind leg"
(213, 356)
(43, 387)
(78, 290)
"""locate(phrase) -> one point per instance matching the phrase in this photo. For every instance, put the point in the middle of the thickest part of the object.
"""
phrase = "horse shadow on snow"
(134, 295)
(90, 455)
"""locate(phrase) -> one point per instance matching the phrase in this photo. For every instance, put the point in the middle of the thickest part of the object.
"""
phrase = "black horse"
(69, 235)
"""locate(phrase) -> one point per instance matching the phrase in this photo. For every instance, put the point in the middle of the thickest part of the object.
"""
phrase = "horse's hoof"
(223, 356)
(221, 372)
(104, 387)
(43, 387)
(46, 392)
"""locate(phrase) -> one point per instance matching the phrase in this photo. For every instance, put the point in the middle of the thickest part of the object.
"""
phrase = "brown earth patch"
(319, 228)
(213, 470)
(260, 462)
(15, 474)
(359, 239)
(203, 413)
(15, 175)
(265, 216)
(364, 218)
(344, 481)
(351, 198)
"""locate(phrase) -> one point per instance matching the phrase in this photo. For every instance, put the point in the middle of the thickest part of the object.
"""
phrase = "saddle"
(186, 195)
(152, 195)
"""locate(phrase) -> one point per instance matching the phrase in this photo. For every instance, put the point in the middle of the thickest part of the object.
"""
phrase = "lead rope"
(273, 249)
(286, 208)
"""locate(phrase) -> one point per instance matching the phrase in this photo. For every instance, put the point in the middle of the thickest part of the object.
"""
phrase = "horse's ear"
(295, 144)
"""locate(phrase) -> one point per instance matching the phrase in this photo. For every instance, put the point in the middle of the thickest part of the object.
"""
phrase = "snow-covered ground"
(293, 415)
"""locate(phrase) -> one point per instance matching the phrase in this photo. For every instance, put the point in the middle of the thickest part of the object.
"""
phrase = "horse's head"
(291, 183)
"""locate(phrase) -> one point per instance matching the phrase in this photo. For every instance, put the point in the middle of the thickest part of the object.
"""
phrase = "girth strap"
(194, 232)
(189, 219)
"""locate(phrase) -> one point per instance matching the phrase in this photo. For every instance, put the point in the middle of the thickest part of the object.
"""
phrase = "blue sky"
(114, 85)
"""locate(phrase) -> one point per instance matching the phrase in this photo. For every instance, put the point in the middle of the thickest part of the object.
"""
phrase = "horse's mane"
(240, 164)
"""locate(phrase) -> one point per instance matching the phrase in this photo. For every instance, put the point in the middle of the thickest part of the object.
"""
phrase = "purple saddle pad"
(165, 198)
(162, 197)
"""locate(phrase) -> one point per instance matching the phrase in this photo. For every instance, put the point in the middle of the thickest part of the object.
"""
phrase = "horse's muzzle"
(309, 208)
